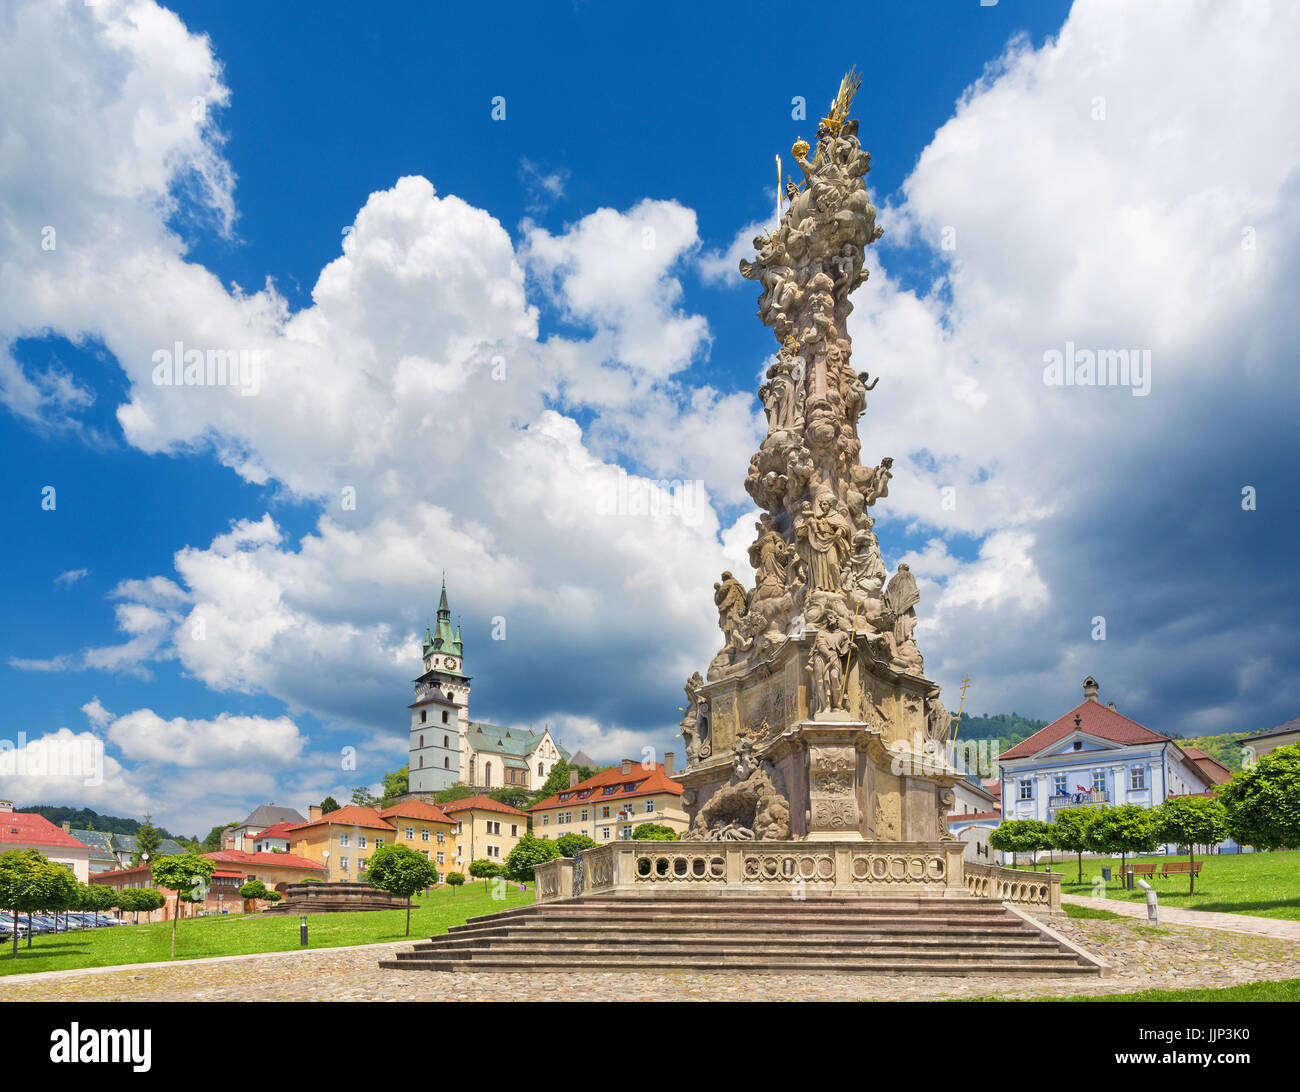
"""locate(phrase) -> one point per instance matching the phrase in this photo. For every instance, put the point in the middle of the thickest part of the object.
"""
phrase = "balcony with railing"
(1076, 800)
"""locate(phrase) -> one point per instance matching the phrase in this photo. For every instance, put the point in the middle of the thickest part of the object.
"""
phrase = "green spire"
(442, 637)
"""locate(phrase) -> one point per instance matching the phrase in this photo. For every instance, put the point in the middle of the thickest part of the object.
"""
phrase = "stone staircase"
(919, 936)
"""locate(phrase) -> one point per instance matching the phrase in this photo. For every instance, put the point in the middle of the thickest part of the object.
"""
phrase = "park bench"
(1180, 868)
(1146, 870)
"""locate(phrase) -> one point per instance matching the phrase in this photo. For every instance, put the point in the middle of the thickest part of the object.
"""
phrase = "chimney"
(573, 778)
(313, 813)
(67, 826)
(668, 763)
(6, 805)
(1089, 689)
(1111, 706)
(627, 766)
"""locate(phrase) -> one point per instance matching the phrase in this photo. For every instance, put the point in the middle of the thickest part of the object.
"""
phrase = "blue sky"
(1124, 229)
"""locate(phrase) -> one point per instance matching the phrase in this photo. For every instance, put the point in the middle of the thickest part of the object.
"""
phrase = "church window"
(444, 717)
(446, 741)
(422, 762)
(449, 697)
(422, 741)
(446, 764)
(539, 769)
(424, 715)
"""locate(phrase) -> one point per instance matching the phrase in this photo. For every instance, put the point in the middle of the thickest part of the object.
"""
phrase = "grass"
(245, 934)
(1073, 911)
(1262, 884)
(1286, 990)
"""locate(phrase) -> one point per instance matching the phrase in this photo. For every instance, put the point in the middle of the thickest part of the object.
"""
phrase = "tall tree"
(1070, 832)
(1263, 802)
(328, 805)
(1129, 828)
(396, 783)
(188, 875)
(1191, 821)
(401, 871)
(148, 840)
(363, 797)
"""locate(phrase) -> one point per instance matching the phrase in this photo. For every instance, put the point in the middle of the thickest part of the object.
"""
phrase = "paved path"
(1200, 919)
(1168, 957)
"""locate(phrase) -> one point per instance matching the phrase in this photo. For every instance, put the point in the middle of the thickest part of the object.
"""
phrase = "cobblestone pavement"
(1203, 919)
(1142, 957)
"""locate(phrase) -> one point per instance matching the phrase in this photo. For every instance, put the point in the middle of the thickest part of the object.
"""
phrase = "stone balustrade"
(758, 868)
(1032, 889)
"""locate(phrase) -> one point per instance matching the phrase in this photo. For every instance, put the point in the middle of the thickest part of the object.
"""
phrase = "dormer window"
(1078, 745)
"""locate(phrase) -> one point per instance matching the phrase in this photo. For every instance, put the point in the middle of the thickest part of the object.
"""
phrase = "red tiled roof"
(975, 815)
(267, 860)
(351, 815)
(1215, 771)
(118, 873)
(280, 830)
(227, 873)
(643, 783)
(27, 827)
(481, 803)
(416, 809)
(993, 787)
(1095, 719)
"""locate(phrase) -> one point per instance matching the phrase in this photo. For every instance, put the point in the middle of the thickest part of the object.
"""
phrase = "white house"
(1096, 755)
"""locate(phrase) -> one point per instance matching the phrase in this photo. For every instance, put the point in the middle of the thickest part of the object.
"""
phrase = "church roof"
(514, 742)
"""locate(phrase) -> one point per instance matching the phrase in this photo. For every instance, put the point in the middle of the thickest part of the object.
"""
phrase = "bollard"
(1153, 908)
(302, 931)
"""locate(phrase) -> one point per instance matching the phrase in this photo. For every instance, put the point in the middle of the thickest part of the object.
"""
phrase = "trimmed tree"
(1016, 836)
(570, 845)
(1263, 802)
(1191, 821)
(484, 870)
(529, 851)
(401, 871)
(1070, 832)
(188, 875)
(254, 889)
(1129, 828)
(654, 832)
(455, 879)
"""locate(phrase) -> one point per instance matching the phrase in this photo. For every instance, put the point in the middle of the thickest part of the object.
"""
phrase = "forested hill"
(1007, 728)
(86, 819)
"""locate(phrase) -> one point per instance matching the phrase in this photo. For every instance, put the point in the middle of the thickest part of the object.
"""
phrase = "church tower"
(440, 712)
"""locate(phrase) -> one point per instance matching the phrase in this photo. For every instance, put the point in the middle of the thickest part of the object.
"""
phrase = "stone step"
(1004, 923)
(809, 937)
(722, 948)
(747, 963)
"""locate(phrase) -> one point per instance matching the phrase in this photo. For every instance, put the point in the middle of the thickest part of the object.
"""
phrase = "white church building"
(447, 747)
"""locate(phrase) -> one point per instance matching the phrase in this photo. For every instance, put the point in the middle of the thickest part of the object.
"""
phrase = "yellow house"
(485, 830)
(610, 805)
(343, 841)
(425, 828)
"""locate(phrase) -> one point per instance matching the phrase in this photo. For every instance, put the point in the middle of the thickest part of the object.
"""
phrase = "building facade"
(1284, 735)
(485, 830)
(28, 830)
(1094, 755)
(446, 746)
(425, 828)
(342, 841)
(610, 805)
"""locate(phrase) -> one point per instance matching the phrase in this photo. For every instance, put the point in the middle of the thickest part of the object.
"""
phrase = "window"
(361, 864)
(422, 741)
(441, 858)
(1060, 785)
(424, 716)
(343, 841)
(361, 841)
(410, 834)
(583, 815)
(539, 769)
(493, 827)
(442, 837)
(446, 763)
(422, 762)
(424, 834)
(446, 741)
(379, 843)
(1098, 780)
(1137, 778)
(604, 812)
(546, 820)
(343, 863)
(514, 830)
(604, 834)
(444, 717)
(649, 806)
(426, 853)
(1026, 788)
(494, 851)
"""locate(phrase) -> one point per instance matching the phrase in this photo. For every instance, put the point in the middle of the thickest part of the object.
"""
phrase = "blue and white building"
(1095, 755)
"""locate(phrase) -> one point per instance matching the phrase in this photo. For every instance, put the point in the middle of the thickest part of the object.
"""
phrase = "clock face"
(451, 663)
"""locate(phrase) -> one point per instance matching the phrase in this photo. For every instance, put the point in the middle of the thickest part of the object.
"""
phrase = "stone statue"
(826, 665)
(824, 536)
(695, 724)
(752, 805)
(901, 597)
(732, 601)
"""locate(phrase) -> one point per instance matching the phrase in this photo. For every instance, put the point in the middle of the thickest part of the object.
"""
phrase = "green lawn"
(1263, 884)
(1286, 990)
(244, 934)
